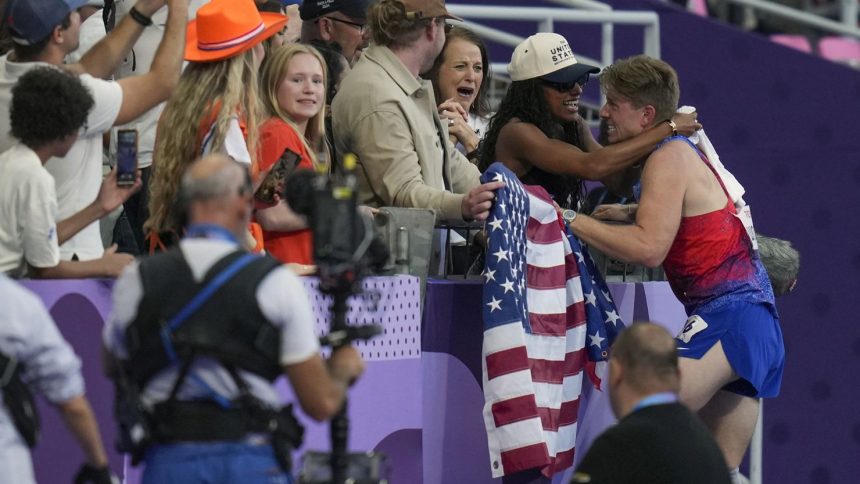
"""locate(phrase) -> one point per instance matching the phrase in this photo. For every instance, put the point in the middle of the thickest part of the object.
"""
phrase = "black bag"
(19, 400)
(134, 424)
(285, 431)
(286, 437)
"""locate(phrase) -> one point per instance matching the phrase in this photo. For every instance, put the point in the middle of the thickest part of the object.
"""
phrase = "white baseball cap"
(548, 56)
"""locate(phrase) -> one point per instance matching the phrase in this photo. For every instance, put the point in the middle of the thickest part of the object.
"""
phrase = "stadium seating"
(840, 49)
(798, 42)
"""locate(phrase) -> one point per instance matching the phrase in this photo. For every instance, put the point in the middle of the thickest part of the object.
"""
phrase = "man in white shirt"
(264, 308)
(44, 32)
(50, 368)
(48, 126)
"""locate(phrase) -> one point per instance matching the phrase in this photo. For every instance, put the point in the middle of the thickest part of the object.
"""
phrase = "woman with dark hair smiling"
(459, 76)
(538, 133)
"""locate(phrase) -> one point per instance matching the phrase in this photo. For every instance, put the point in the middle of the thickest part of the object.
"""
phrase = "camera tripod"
(342, 334)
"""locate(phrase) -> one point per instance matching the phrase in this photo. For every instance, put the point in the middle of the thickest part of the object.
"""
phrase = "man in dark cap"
(343, 22)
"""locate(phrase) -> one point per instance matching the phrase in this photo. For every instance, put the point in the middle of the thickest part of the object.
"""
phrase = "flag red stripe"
(528, 457)
(507, 361)
(548, 324)
(576, 315)
(571, 269)
(547, 233)
(554, 371)
(562, 461)
(545, 277)
(514, 410)
(553, 418)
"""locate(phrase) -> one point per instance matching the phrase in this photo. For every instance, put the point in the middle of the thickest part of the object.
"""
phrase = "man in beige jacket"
(386, 115)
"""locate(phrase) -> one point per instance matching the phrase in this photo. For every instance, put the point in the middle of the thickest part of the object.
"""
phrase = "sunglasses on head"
(567, 86)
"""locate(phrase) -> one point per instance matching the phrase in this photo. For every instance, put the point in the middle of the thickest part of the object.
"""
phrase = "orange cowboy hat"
(226, 28)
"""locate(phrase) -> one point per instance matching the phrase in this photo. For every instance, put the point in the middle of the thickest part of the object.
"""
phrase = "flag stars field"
(495, 304)
(596, 339)
(612, 317)
(590, 298)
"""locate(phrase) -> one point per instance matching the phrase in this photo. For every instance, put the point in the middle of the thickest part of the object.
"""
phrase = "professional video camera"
(345, 249)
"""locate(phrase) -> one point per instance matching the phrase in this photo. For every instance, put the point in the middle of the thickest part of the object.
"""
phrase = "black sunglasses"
(567, 86)
(361, 27)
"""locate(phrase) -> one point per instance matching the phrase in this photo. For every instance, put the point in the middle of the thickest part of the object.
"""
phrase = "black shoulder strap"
(228, 327)
(19, 400)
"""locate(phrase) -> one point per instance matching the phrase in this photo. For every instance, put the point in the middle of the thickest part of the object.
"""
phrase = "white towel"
(700, 139)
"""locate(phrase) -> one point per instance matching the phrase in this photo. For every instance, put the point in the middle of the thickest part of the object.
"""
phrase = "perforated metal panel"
(392, 302)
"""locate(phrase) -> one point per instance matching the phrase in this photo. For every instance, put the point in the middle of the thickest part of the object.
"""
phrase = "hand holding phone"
(274, 181)
(126, 157)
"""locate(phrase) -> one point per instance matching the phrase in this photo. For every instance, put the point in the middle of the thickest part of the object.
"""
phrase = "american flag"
(543, 322)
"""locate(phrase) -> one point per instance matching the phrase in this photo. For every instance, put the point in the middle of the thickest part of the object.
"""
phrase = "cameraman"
(256, 326)
(48, 365)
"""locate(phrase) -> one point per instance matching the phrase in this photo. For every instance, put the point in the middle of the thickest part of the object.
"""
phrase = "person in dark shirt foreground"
(657, 439)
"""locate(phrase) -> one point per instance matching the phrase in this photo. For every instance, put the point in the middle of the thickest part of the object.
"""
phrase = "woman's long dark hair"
(525, 101)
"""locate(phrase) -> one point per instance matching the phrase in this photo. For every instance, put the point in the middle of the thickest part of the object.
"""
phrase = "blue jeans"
(216, 463)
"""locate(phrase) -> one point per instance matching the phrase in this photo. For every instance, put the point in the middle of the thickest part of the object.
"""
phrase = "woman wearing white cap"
(538, 133)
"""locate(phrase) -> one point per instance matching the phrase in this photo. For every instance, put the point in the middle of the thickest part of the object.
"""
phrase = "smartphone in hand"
(126, 157)
(277, 176)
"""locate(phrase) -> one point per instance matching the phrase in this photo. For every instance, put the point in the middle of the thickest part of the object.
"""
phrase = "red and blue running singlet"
(712, 261)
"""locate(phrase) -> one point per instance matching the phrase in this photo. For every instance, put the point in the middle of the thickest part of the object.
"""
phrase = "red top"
(711, 255)
(295, 246)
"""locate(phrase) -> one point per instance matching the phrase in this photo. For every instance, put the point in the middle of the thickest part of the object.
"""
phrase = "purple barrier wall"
(786, 124)
(383, 416)
(419, 401)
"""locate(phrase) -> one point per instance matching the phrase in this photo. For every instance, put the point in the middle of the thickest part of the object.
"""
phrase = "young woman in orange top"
(293, 89)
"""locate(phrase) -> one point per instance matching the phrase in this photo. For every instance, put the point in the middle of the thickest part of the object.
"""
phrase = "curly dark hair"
(48, 105)
(525, 101)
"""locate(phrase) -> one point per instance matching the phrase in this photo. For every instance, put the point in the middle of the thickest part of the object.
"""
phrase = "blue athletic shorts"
(198, 463)
(751, 339)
